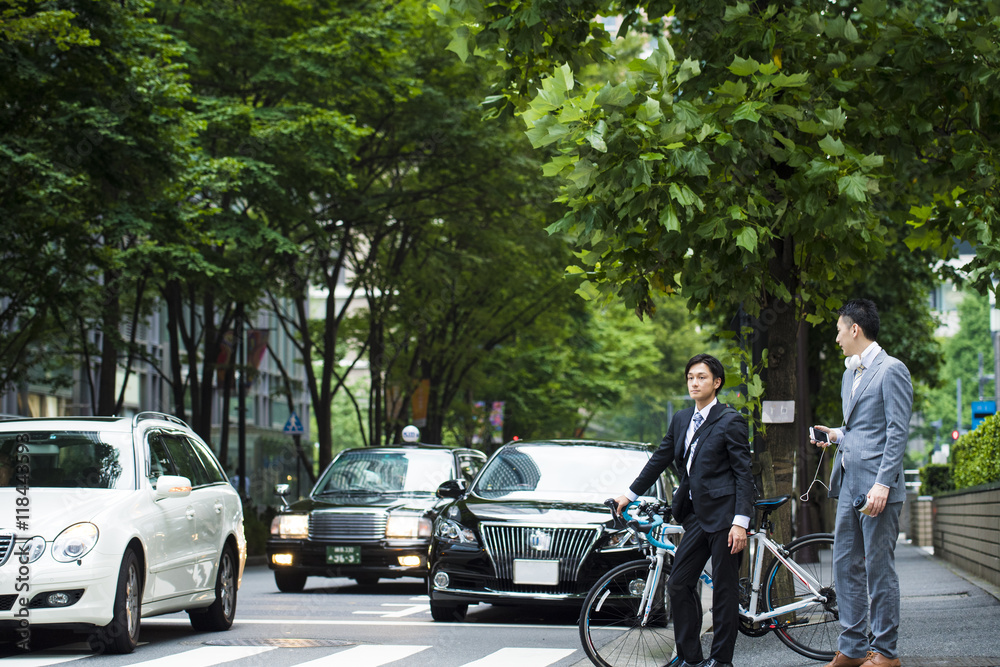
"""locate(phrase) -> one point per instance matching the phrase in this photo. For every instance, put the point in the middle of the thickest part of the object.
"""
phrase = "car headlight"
(75, 542)
(407, 526)
(452, 531)
(291, 526)
(619, 539)
(31, 550)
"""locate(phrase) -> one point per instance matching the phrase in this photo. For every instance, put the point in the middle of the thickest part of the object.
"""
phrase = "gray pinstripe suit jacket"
(876, 425)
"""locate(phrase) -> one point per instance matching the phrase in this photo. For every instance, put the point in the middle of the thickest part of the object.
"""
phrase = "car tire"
(366, 580)
(289, 582)
(121, 635)
(219, 615)
(448, 611)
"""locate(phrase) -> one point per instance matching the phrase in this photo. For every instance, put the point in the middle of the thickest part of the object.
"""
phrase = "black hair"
(863, 313)
(714, 366)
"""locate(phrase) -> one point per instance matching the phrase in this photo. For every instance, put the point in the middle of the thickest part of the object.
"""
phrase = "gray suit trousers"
(864, 563)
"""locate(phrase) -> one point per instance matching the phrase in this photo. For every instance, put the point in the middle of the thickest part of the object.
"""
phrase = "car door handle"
(190, 514)
(219, 507)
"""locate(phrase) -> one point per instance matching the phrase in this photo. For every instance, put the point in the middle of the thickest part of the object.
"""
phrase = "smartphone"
(818, 436)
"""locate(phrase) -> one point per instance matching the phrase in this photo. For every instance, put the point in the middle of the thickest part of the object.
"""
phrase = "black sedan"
(369, 515)
(533, 526)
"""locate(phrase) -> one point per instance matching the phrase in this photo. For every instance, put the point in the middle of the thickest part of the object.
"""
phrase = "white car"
(105, 520)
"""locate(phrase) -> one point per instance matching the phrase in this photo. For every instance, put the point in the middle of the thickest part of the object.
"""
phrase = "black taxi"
(369, 516)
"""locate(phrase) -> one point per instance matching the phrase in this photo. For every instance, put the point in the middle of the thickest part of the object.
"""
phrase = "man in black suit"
(710, 448)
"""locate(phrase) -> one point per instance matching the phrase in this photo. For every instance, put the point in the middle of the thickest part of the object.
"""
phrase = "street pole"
(241, 406)
(996, 368)
(958, 404)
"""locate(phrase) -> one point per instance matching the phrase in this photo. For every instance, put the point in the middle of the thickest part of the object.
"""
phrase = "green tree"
(94, 138)
(779, 137)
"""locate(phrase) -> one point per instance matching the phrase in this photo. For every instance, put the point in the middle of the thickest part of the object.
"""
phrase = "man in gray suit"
(877, 397)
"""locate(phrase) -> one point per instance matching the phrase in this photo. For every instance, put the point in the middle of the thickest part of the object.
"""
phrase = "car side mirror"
(172, 486)
(283, 491)
(453, 488)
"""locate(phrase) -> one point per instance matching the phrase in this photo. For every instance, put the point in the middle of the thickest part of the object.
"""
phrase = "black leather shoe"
(677, 662)
(712, 662)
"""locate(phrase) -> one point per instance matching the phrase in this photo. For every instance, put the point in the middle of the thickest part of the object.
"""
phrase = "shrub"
(975, 457)
(935, 478)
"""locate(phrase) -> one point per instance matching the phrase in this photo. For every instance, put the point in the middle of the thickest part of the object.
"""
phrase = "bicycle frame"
(656, 538)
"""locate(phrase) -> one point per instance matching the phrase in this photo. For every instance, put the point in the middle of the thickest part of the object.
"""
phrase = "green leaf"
(459, 43)
(587, 291)
(742, 67)
(557, 164)
(855, 186)
(737, 89)
(747, 111)
(747, 238)
(831, 146)
(741, 10)
(669, 220)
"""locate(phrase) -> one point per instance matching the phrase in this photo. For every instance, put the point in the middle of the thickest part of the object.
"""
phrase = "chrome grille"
(347, 525)
(6, 546)
(504, 542)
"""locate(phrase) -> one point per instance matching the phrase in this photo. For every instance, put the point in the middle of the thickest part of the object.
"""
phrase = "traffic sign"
(293, 426)
(981, 410)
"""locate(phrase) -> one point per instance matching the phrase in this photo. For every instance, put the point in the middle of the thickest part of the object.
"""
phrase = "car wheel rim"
(132, 601)
(227, 584)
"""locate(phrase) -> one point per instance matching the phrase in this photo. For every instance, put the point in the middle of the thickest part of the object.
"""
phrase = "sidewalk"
(947, 618)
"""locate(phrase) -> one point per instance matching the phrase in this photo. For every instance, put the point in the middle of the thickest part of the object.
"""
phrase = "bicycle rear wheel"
(611, 627)
(813, 630)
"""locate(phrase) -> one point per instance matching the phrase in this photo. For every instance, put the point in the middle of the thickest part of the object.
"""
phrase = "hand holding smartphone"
(818, 436)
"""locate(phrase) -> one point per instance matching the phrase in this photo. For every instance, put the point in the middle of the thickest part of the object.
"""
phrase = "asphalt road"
(948, 618)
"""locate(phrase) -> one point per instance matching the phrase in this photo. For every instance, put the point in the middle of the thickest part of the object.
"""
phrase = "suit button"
(848, 429)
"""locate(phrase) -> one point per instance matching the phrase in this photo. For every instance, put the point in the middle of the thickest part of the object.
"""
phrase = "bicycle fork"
(649, 592)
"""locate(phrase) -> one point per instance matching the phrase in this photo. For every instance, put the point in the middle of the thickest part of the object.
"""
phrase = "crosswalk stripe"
(522, 657)
(42, 660)
(206, 656)
(366, 656)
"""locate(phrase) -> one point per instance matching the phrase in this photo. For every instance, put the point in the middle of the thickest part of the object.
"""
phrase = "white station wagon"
(105, 520)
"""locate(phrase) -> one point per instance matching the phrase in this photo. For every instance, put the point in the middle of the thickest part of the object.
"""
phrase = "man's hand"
(822, 429)
(737, 539)
(622, 501)
(878, 497)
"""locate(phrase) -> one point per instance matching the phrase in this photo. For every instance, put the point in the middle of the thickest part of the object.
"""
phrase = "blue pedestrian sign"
(981, 410)
(293, 426)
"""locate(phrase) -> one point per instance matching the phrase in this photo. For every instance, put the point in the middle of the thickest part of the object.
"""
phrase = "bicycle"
(626, 617)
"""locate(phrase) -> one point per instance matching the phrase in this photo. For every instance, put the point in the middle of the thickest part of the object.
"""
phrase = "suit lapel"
(866, 380)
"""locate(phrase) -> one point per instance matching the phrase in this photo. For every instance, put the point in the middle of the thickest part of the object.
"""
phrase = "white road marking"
(522, 657)
(366, 656)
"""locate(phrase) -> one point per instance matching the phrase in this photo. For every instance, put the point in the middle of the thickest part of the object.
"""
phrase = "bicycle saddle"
(770, 504)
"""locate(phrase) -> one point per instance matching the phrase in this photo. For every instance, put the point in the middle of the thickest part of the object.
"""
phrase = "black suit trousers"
(695, 549)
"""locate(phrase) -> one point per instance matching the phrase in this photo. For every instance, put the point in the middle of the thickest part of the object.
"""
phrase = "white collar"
(868, 356)
(705, 410)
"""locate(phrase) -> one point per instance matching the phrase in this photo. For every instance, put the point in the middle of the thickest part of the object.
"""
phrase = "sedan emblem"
(540, 540)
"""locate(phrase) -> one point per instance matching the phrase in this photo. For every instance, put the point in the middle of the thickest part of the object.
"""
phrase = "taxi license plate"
(343, 555)
(537, 572)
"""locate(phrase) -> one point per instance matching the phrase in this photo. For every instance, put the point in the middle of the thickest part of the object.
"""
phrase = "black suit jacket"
(720, 482)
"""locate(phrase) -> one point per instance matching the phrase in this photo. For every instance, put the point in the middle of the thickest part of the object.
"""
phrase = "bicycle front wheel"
(812, 630)
(611, 627)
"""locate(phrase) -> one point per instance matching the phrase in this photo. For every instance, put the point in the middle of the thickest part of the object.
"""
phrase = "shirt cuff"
(741, 521)
(838, 436)
(631, 496)
(885, 486)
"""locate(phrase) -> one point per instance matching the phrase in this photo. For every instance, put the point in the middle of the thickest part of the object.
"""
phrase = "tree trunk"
(110, 336)
(776, 452)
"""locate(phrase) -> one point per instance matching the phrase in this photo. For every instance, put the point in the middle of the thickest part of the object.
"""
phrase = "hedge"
(975, 457)
(935, 478)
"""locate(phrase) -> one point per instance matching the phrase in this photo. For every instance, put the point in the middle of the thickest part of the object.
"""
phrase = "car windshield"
(387, 472)
(72, 459)
(560, 472)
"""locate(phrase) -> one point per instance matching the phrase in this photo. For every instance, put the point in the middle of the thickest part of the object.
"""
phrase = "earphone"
(853, 362)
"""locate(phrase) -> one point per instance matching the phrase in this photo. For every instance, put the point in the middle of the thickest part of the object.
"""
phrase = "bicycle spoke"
(611, 620)
(813, 629)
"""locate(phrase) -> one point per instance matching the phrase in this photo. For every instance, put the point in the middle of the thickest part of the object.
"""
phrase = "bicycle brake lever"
(616, 519)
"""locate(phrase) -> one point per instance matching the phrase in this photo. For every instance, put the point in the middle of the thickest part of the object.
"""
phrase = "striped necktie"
(857, 379)
(697, 420)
